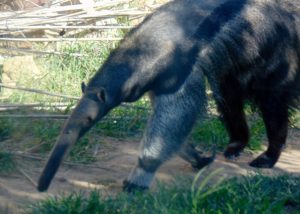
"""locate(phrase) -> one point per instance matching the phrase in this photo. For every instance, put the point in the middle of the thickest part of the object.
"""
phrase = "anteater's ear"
(101, 95)
(83, 86)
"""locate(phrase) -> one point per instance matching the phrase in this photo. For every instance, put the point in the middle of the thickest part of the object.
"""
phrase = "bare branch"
(41, 116)
(59, 39)
(39, 91)
(26, 176)
(43, 27)
(35, 157)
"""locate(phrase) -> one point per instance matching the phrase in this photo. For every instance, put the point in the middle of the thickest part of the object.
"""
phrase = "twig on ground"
(108, 39)
(45, 27)
(41, 116)
(82, 184)
(34, 157)
(19, 50)
(26, 176)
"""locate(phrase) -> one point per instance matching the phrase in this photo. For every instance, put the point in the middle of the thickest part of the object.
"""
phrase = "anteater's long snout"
(55, 159)
(84, 116)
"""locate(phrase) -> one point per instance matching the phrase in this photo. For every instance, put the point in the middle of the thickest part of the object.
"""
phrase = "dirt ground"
(116, 160)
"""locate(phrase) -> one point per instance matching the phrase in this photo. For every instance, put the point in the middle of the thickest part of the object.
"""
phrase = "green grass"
(7, 163)
(126, 122)
(209, 133)
(295, 119)
(212, 133)
(250, 194)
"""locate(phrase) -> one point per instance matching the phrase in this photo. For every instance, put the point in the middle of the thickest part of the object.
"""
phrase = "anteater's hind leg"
(230, 106)
(190, 154)
(275, 114)
(172, 119)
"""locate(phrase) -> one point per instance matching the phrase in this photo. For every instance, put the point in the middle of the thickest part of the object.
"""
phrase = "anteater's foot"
(234, 150)
(264, 161)
(190, 154)
(202, 162)
(131, 188)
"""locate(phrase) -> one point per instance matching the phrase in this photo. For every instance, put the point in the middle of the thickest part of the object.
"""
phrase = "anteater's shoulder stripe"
(221, 15)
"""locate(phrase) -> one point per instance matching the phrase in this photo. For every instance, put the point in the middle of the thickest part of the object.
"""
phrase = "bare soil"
(115, 162)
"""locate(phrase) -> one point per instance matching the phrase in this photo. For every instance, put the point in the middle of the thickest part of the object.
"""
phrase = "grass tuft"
(212, 133)
(7, 163)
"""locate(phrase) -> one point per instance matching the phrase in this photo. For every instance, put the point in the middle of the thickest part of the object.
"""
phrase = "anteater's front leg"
(172, 119)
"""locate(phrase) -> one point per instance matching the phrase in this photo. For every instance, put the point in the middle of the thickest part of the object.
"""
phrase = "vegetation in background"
(210, 132)
(249, 194)
(295, 119)
(7, 163)
(64, 73)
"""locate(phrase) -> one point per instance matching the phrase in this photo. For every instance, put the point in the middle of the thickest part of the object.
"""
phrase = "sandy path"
(118, 157)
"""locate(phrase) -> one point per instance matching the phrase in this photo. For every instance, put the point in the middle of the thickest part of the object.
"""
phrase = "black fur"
(254, 56)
